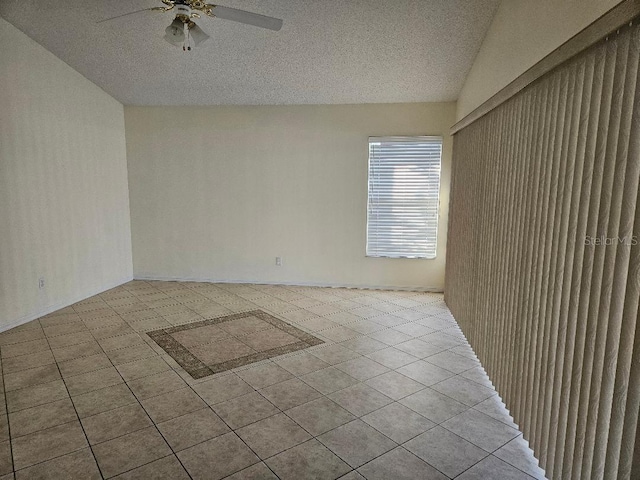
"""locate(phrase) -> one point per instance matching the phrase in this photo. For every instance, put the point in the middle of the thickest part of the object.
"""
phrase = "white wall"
(522, 33)
(218, 192)
(64, 204)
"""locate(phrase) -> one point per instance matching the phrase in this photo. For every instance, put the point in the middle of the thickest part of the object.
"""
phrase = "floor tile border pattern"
(352, 472)
(198, 369)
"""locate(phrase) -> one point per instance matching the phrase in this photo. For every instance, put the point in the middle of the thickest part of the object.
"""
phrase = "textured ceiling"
(328, 51)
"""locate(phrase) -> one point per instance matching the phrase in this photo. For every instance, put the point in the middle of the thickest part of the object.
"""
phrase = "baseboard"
(65, 303)
(293, 284)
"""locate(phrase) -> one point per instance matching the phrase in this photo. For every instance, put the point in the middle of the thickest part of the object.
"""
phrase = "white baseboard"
(62, 304)
(143, 276)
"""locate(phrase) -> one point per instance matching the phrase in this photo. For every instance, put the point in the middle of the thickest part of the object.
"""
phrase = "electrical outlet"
(278, 261)
(41, 283)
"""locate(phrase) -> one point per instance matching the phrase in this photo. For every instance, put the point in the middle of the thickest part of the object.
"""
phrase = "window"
(404, 186)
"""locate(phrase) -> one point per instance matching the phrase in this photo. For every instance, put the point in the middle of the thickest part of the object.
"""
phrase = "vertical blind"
(404, 186)
(543, 262)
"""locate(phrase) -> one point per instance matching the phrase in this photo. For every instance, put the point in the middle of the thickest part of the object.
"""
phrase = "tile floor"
(394, 392)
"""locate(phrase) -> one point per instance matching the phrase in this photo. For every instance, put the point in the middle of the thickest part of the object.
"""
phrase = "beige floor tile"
(115, 423)
(120, 341)
(398, 422)
(320, 415)
(492, 467)
(84, 365)
(142, 368)
(105, 331)
(130, 451)
(102, 400)
(433, 405)
(173, 404)
(65, 329)
(494, 407)
(96, 380)
(244, 326)
(481, 430)
(78, 350)
(452, 361)
(356, 443)
(301, 363)
(6, 462)
(360, 399)
(67, 340)
(333, 354)
(222, 388)
(446, 451)
(290, 394)
(394, 385)
(25, 362)
(463, 390)
(4, 427)
(156, 384)
(130, 354)
(362, 368)
(518, 454)
(222, 351)
(272, 435)
(36, 395)
(399, 464)
(308, 460)
(196, 427)
(390, 336)
(363, 345)
(328, 380)
(392, 357)
(79, 464)
(376, 331)
(244, 410)
(47, 444)
(419, 348)
(264, 375)
(19, 336)
(268, 339)
(31, 377)
(258, 471)
(167, 468)
(217, 458)
(41, 417)
(424, 372)
(24, 348)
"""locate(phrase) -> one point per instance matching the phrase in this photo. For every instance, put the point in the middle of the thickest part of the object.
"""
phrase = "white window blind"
(404, 186)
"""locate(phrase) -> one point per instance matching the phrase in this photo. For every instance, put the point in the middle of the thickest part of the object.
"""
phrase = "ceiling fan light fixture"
(197, 35)
(174, 33)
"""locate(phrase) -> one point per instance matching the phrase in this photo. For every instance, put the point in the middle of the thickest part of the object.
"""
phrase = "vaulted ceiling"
(328, 51)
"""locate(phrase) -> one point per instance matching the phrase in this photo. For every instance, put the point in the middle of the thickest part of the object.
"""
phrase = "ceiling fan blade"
(153, 9)
(249, 18)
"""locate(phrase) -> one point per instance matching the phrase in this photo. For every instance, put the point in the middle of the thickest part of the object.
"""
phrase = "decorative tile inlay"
(222, 347)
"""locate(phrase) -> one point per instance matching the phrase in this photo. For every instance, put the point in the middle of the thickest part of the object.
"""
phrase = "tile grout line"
(6, 405)
(230, 293)
(148, 416)
(77, 416)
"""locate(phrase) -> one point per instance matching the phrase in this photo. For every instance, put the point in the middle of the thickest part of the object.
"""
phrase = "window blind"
(543, 264)
(404, 186)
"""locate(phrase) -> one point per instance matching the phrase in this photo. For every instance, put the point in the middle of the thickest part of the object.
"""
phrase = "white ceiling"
(328, 51)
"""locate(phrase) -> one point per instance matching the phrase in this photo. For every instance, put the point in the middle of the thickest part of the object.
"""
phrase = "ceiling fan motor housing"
(183, 12)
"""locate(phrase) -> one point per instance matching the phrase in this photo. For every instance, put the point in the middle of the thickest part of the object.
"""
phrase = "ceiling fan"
(188, 10)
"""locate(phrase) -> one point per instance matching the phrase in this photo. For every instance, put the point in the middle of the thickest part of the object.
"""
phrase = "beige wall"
(218, 192)
(522, 33)
(64, 208)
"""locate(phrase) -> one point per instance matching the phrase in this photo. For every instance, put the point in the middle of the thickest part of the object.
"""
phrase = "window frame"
(417, 138)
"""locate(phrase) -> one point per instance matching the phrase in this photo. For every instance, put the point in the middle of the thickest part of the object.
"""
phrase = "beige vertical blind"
(543, 261)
